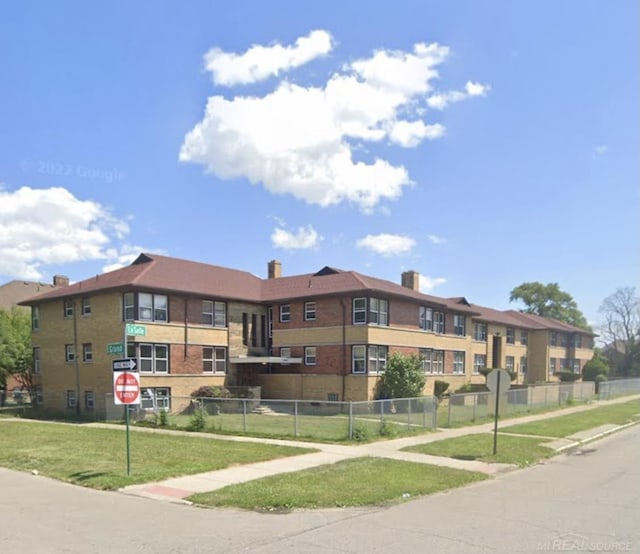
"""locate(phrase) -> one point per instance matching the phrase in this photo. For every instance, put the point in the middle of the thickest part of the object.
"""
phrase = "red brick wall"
(191, 364)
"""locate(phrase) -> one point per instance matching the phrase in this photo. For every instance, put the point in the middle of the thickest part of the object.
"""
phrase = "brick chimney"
(411, 280)
(274, 269)
(60, 281)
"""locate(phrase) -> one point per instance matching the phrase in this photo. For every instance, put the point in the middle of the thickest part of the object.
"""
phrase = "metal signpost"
(126, 391)
(498, 379)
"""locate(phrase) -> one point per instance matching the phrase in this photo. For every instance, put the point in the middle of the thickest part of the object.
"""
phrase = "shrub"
(163, 419)
(360, 433)
(567, 376)
(197, 421)
(595, 367)
(402, 378)
(387, 429)
(209, 391)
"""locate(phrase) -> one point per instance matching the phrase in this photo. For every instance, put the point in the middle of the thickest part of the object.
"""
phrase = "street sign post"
(498, 379)
(126, 391)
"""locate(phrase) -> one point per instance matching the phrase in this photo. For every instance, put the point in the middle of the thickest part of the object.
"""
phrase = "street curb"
(579, 443)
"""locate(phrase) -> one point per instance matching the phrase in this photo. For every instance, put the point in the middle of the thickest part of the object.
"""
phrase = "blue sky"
(482, 144)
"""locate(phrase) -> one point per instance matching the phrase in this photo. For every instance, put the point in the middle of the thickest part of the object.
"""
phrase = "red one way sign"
(126, 387)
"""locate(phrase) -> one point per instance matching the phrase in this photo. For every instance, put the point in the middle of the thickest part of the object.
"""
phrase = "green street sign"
(136, 330)
(115, 348)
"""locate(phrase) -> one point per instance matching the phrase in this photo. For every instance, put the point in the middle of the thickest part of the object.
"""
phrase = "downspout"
(186, 324)
(344, 349)
(76, 351)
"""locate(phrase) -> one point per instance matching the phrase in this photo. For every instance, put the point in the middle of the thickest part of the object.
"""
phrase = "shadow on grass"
(464, 457)
(82, 476)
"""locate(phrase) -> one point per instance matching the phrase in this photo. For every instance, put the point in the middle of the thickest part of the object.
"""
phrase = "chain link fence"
(618, 387)
(470, 407)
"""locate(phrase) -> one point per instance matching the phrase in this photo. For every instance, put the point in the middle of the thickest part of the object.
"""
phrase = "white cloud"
(387, 245)
(125, 256)
(435, 239)
(52, 226)
(442, 100)
(601, 149)
(411, 133)
(427, 284)
(306, 238)
(261, 62)
(300, 140)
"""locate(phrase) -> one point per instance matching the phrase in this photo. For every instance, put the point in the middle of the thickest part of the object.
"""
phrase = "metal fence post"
(449, 413)
(409, 413)
(350, 419)
(244, 414)
(475, 403)
(295, 418)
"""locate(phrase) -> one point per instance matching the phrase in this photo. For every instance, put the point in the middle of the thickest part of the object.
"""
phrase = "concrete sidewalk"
(178, 488)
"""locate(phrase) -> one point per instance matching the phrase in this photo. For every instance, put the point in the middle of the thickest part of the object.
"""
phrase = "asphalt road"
(586, 501)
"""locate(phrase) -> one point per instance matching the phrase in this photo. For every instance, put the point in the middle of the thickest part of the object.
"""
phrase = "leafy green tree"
(549, 301)
(403, 377)
(594, 367)
(621, 331)
(15, 346)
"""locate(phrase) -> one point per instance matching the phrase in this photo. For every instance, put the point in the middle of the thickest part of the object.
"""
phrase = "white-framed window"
(153, 358)
(309, 355)
(359, 311)
(332, 397)
(36, 359)
(426, 355)
(378, 311)
(553, 338)
(576, 366)
(359, 359)
(509, 363)
(511, 335)
(309, 311)
(426, 318)
(523, 364)
(564, 339)
(86, 306)
(214, 359)
(437, 363)
(39, 398)
(285, 352)
(479, 362)
(377, 358)
(155, 398)
(214, 313)
(285, 313)
(69, 352)
(459, 327)
(480, 332)
(576, 341)
(72, 399)
(35, 318)
(87, 352)
(68, 308)
(438, 322)
(152, 307)
(129, 306)
(552, 365)
(524, 337)
(89, 400)
(458, 363)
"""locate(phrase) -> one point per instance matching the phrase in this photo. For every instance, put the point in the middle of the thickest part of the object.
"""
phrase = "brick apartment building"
(319, 336)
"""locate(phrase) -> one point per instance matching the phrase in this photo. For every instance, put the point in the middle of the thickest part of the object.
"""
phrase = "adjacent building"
(319, 336)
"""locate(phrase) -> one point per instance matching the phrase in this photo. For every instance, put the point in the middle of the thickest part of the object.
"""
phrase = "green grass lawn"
(97, 457)
(521, 451)
(353, 482)
(331, 428)
(564, 426)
